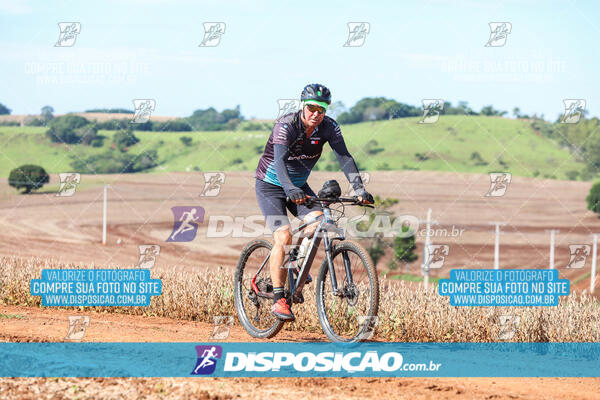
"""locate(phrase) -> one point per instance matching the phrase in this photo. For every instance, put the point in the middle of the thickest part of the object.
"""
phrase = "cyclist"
(291, 152)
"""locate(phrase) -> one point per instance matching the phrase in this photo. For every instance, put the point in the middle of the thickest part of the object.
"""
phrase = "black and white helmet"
(315, 93)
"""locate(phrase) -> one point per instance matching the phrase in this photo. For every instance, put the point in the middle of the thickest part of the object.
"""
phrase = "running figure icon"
(207, 361)
(187, 222)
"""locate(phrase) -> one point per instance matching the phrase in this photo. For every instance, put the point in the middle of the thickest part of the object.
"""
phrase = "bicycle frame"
(326, 225)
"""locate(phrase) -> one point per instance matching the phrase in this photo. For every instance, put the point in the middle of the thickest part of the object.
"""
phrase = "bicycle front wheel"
(350, 314)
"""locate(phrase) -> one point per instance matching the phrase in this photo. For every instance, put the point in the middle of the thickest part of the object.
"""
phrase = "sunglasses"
(313, 108)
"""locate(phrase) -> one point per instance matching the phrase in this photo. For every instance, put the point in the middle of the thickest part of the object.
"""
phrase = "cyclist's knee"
(310, 229)
(282, 236)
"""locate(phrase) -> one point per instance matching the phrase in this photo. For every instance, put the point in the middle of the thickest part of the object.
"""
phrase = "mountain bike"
(347, 287)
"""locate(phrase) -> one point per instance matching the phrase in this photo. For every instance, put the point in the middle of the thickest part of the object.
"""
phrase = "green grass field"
(503, 144)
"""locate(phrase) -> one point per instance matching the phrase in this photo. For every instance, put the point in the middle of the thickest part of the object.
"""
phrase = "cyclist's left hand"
(364, 197)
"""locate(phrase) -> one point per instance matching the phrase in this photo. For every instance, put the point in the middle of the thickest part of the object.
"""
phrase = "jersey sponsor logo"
(303, 157)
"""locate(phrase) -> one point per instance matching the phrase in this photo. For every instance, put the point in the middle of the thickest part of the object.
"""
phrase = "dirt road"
(23, 324)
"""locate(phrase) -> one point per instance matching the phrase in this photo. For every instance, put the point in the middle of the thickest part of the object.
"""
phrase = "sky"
(414, 50)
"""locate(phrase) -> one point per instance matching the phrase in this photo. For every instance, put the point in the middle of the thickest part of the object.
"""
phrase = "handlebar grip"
(308, 203)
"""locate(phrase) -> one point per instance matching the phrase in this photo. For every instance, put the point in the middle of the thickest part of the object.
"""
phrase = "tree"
(335, 109)
(378, 245)
(517, 112)
(186, 140)
(4, 110)
(115, 162)
(46, 113)
(87, 134)
(377, 108)
(477, 159)
(67, 129)
(464, 107)
(377, 249)
(177, 125)
(110, 111)
(124, 139)
(593, 198)
(145, 160)
(490, 111)
(591, 149)
(404, 247)
(212, 120)
(28, 177)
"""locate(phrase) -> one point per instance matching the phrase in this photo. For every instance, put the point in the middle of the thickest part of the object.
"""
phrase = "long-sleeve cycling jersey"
(290, 155)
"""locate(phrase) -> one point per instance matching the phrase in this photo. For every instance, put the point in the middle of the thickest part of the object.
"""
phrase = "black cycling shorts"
(271, 200)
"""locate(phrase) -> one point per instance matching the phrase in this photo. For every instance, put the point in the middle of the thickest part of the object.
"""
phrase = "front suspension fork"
(330, 265)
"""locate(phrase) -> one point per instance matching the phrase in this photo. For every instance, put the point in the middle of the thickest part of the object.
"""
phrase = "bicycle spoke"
(347, 311)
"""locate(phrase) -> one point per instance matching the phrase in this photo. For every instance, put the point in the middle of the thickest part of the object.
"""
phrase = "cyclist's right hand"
(364, 197)
(297, 195)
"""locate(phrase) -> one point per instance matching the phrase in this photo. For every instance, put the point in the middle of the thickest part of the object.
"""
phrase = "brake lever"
(358, 203)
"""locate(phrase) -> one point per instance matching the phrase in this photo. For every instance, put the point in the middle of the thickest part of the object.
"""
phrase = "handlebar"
(311, 200)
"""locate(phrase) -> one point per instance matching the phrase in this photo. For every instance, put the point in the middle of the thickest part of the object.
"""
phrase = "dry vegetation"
(407, 313)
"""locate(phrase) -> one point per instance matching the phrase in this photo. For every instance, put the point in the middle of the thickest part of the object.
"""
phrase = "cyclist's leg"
(281, 237)
(271, 200)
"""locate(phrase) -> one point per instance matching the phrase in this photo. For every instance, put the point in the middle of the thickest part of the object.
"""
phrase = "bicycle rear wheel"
(350, 315)
(254, 312)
